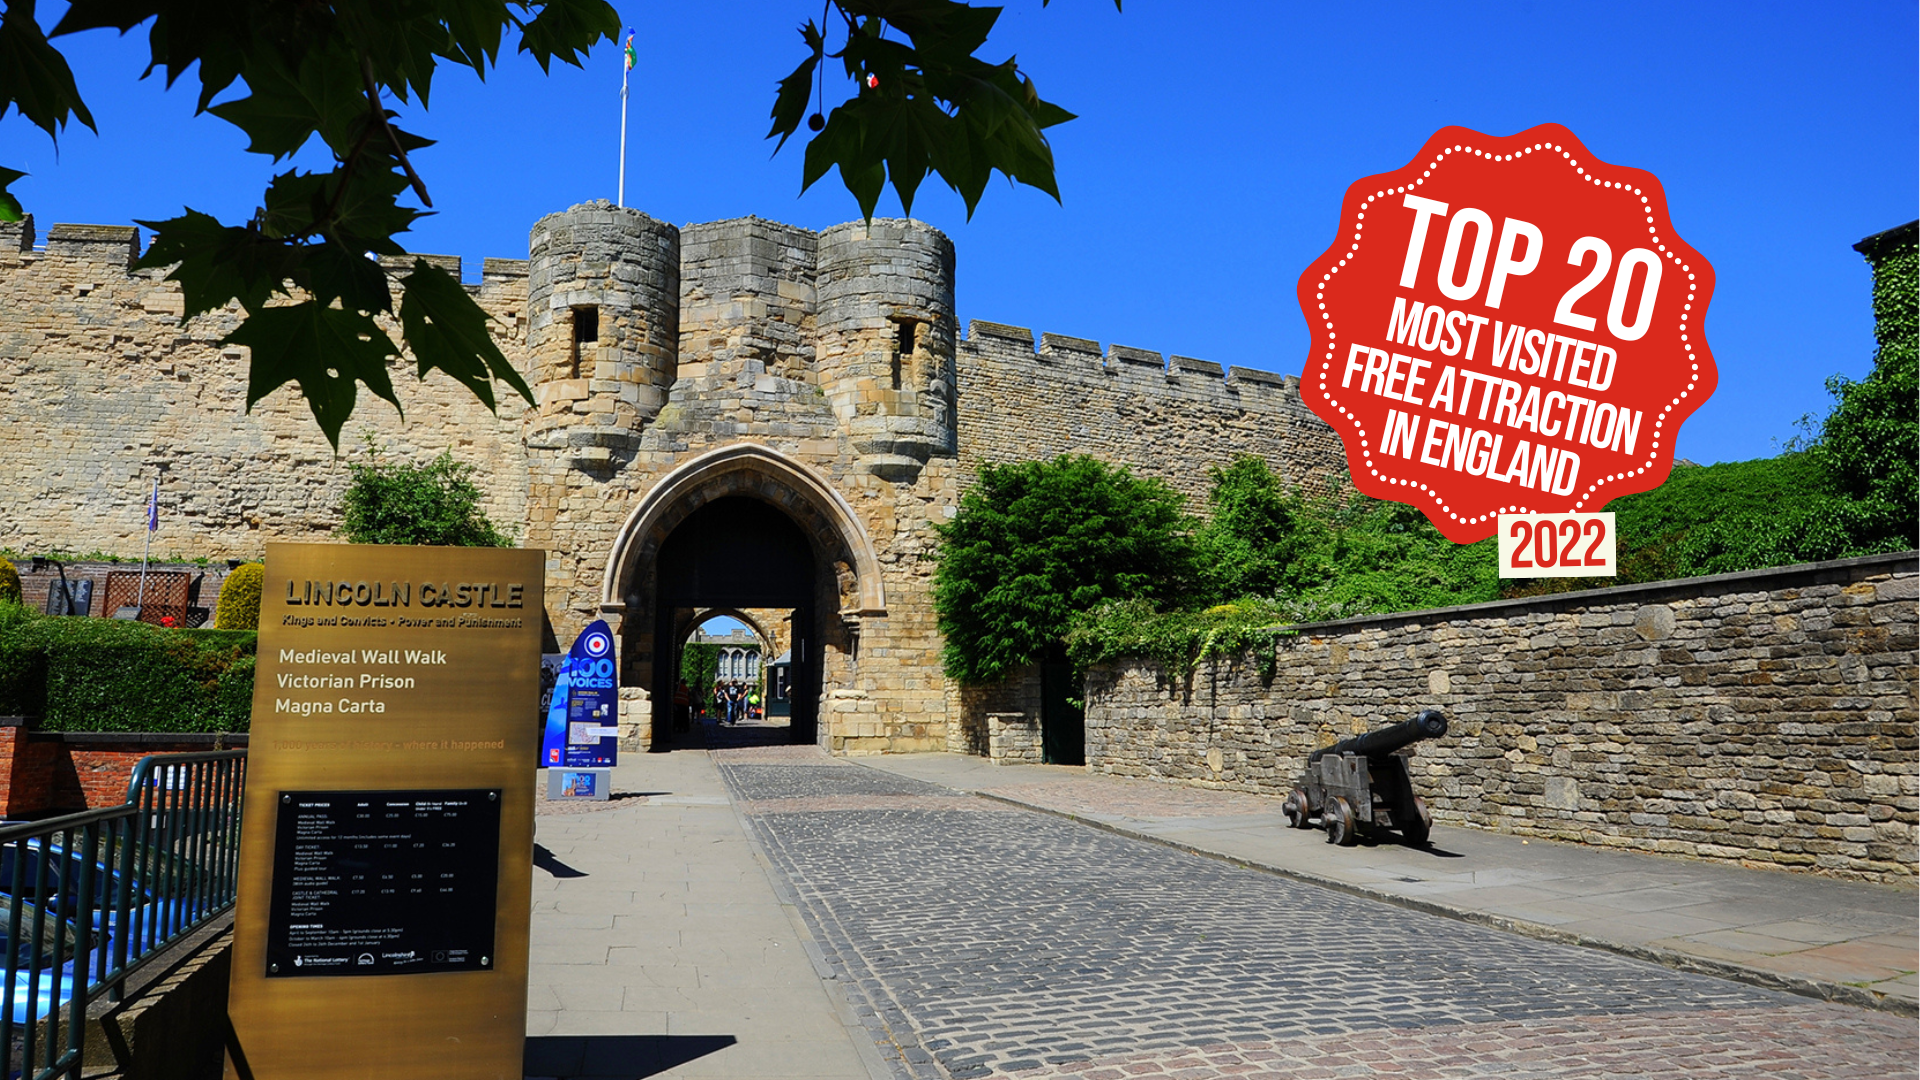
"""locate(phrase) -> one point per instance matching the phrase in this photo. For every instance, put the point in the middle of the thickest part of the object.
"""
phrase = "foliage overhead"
(1037, 541)
(435, 504)
(301, 268)
(922, 103)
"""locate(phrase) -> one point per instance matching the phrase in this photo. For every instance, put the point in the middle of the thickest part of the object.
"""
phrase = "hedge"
(81, 674)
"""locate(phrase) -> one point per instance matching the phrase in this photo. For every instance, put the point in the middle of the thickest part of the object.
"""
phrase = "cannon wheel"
(1415, 832)
(1295, 808)
(1339, 820)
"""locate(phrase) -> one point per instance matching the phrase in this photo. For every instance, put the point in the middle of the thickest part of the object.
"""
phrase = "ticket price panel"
(383, 882)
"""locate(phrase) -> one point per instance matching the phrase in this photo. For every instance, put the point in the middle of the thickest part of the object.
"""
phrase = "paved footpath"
(966, 936)
(661, 948)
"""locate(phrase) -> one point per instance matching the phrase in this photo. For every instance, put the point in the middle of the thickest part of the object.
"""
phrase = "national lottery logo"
(597, 644)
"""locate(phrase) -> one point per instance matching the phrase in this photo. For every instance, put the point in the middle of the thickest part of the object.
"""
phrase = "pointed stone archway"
(832, 580)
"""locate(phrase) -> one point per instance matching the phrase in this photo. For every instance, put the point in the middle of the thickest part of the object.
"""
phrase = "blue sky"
(1206, 169)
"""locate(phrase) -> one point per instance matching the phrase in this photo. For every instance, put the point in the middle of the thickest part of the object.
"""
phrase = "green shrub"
(432, 504)
(9, 582)
(1181, 640)
(23, 669)
(239, 605)
(1334, 555)
(120, 675)
(1038, 541)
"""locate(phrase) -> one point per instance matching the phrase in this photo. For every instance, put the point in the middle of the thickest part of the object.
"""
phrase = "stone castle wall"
(1764, 717)
(102, 388)
(837, 355)
(1168, 418)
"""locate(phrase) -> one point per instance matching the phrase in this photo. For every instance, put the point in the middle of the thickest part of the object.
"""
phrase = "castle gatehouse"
(733, 416)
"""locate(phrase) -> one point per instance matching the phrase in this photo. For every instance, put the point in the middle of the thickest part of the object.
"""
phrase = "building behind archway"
(821, 375)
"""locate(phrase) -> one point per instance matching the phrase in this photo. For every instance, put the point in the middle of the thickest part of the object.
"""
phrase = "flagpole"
(623, 133)
(153, 506)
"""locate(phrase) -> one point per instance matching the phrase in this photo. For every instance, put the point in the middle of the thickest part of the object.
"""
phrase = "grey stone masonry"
(1766, 717)
(1160, 416)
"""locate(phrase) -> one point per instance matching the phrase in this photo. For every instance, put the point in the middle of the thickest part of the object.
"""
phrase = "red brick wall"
(26, 771)
(45, 772)
(90, 777)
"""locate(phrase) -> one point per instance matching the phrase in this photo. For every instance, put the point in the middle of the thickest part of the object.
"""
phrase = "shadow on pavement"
(544, 859)
(615, 1057)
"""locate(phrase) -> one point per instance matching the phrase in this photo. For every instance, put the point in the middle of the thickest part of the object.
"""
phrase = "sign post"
(1507, 326)
(581, 738)
(386, 870)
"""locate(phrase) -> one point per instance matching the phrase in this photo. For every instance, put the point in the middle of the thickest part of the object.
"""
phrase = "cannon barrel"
(1426, 724)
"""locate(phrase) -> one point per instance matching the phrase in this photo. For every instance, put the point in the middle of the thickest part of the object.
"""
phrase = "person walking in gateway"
(720, 703)
(734, 703)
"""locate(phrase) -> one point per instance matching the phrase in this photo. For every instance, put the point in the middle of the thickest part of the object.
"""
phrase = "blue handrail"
(91, 898)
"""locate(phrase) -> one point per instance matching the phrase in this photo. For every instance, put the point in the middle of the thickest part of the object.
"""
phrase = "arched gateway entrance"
(742, 527)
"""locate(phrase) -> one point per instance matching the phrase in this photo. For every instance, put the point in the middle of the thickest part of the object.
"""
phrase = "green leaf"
(447, 330)
(288, 106)
(34, 77)
(218, 35)
(294, 203)
(326, 350)
(937, 107)
(473, 32)
(365, 218)
(10, 208)
(215, 263)
(401, 43)
(332, 271)
(790, 104)
(566, 29)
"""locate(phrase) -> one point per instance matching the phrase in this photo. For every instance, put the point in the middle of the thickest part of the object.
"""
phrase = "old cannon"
(1361, 785)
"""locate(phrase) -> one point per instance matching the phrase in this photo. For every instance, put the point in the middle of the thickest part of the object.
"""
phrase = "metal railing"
(90, 898)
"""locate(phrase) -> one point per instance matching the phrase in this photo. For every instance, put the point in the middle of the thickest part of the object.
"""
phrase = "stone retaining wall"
(1766, 717)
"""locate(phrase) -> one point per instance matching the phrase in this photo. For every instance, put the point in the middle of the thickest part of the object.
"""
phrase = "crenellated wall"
(1170, 418)
(102, 387)
(659, 357)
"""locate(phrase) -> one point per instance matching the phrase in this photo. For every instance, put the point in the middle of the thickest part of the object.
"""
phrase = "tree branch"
(380, 114)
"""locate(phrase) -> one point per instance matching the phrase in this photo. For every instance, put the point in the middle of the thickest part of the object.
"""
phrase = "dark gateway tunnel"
(740, 552)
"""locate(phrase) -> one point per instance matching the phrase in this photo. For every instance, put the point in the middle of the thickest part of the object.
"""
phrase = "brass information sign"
(392, 758)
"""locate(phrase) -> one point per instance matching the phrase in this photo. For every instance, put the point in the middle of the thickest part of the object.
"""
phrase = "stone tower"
(603, 330)
(886, 334)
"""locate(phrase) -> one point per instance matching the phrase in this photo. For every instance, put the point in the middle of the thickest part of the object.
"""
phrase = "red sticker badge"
(1506, 325)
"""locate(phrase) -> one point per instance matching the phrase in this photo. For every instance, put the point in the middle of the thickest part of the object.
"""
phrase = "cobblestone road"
(978, 940)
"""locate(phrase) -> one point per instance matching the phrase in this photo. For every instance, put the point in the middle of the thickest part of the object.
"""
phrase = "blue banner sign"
(582, 729)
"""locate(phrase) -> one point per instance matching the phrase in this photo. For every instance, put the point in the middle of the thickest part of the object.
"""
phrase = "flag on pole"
(153, 508)
(629, 48)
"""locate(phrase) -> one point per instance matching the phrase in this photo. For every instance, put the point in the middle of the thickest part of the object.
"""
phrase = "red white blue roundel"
(597, 644)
